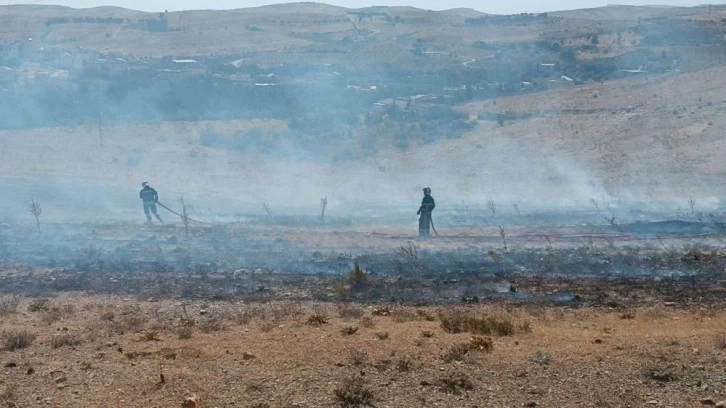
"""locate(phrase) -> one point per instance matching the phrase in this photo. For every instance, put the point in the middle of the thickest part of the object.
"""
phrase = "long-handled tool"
(181, 215)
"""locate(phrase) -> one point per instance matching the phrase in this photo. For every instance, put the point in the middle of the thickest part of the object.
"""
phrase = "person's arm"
(156, 195)
(433, 204)
(141, 194)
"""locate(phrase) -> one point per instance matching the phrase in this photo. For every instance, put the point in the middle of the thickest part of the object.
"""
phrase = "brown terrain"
(580, 262)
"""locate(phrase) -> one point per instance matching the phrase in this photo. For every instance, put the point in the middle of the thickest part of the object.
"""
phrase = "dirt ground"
(117, 316)
(91, 351)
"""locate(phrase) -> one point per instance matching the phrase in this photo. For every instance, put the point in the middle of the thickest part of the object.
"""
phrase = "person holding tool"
(424, 213)
(150, 197)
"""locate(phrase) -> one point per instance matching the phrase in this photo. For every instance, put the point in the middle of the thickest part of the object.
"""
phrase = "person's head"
(427, 190)
(145, 184)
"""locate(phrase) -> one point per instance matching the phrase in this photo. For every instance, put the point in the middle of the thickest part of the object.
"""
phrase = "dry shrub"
(150, 335)
(382, 335)
(185, 330)
(541, 357)
(427, 334)
(65, 339)
(404, 365)
(17, 339)
(354, 392)
(51, 316)
(358, 357)
(404, 315)
(357, 278)
(484, 344)
(524, 327)
(458, 321)
(628, 314)
(425, 315)
(267, 327)
(720, 342)
(350, 330)
(456, 383)
(39, 305)
(348, 312)
(367, 322)
(9, 305)
(107, 315)
(317, 319)
(211, 325)
(661, 372)
(459, 351)
(8, 398)
(381, 311)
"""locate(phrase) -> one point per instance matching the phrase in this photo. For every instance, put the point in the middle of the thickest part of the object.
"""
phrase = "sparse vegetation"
(36, 210)
(65, 339)
(17, 339)
(541, 357)
(9, 305)
(720, 342)
(382, 335)
(317, 319)
(184, 216)
(358, 358)
(455, 383)
(353, 392)
(458, 321)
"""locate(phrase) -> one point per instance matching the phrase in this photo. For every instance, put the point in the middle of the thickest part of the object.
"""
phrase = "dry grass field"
(88, 351)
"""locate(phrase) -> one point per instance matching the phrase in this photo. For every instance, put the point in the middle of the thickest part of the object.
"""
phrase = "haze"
(510, 7)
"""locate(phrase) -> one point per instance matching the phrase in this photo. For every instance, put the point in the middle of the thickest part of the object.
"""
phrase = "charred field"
(292, 313)
(299, 259)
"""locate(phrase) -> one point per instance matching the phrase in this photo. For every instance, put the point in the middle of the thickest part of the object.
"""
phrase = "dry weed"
(185, 330)
(212, 324)
(317, 319)
(461, 322)
(720, 342)
(541, 357)
(382, 335)
(358, 357)
(348, 312)
(404, 365)
(39, 305)
(17, 339)
(150, 335)
(9, 305)
(65, 339)
(354, 392)
(456, 383)
(8, 398)
(367, 322)
(381, 311)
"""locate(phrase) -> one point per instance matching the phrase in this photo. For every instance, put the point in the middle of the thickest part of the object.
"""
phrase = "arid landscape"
(576, 158)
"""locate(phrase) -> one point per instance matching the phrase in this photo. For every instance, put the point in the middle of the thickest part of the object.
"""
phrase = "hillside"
(241, 107)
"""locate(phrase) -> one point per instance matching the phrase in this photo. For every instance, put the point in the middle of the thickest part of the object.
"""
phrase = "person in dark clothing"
(424, 213)
(149, 196)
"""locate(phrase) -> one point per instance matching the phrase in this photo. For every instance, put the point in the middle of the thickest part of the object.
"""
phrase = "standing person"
(149, 196)
(424, 213)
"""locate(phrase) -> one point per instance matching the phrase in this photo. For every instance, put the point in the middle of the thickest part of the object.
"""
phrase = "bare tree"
(516, 208)
(323, 206)
(492, 206)
(503, 234)
(266, 206)
(184, 216)
(36, 210)
(692, 204)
